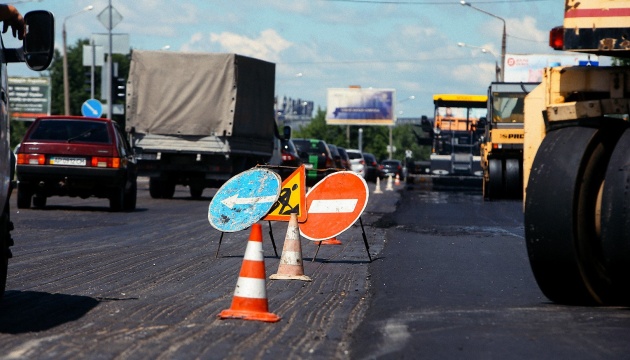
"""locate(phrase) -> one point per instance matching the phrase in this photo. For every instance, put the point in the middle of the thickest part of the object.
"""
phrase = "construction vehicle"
(37, 52)
(577, 163)
(197, 119)
(455, 134)
(502, 145)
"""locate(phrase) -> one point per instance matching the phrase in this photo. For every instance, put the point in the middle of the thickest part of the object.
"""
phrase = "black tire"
(495, 183)
(117, 199)
(24, 197)
(560, 228)
(39, 201)
(196, 191)
(130, 199)
(513, 178)
(160, 188)
(5, 243)
(615, 220)
(155, 188)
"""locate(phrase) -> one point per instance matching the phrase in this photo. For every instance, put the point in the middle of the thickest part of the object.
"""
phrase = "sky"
(410, 46)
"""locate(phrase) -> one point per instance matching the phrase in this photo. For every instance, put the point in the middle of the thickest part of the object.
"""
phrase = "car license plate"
(308, 166)
(67, 161)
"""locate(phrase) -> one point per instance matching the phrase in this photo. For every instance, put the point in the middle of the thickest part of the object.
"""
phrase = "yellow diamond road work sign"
(292, 198)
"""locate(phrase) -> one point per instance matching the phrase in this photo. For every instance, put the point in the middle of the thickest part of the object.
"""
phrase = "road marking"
(332, 206)
(235, 200)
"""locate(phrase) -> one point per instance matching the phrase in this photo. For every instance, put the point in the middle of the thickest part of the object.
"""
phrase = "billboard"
(356, 106)
(30, 97)
(529, 67)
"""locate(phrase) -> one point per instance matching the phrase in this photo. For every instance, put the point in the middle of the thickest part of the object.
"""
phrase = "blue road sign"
(92, 108)
(244, 200)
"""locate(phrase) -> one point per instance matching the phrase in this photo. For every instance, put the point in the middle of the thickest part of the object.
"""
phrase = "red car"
(76, 156)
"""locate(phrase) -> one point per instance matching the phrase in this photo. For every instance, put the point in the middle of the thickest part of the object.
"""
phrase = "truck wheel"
(5, 243)
(39, 201)
(615, 220)
(560, 220)
(155, 188)
(160, 188)
(495, 183)
(24, 197)
(513, 178)
(196, 191)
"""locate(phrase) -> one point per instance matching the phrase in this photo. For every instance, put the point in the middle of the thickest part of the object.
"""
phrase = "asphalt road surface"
(449, 279)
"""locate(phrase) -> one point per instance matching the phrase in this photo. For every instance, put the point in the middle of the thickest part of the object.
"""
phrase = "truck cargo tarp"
(200, 94)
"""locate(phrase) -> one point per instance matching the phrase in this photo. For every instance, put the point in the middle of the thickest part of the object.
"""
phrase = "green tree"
(375, 138)
(78, 85)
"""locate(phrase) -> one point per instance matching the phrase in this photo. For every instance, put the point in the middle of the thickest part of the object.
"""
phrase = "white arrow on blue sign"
(244, 200)
(92, 108)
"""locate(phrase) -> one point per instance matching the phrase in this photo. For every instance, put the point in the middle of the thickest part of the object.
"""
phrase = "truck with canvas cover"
(502, 145)
(197, 119)
(576, 164)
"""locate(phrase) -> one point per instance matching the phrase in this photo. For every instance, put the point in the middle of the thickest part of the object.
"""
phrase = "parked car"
(345, 160)
(334, 151)
(76, 156)
(392, 167)
(285, 157)
(373, 169)
(317, 159)
(357, 163)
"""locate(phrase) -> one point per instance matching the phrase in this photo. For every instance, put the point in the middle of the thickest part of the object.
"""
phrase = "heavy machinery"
(455, 134)
(577, 187)
(502, 145)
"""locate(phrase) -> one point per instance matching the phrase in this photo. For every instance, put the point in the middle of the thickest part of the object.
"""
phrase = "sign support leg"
(319, 244)
(367, 246)
(272, 240)
(220, 239)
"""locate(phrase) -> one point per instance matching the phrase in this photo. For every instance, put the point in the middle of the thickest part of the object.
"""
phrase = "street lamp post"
(503, 39)
(497, 69)
(66, 90)
(391, 127)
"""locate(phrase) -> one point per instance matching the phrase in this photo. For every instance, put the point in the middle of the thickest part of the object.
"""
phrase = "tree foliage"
(375, 138)
(78, 84)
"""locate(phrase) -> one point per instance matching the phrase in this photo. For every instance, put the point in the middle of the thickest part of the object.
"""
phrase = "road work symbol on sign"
(292, 198)
(334, 204)
(244, 200)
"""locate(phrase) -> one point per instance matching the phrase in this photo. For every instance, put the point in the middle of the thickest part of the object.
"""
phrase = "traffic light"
(119, 89)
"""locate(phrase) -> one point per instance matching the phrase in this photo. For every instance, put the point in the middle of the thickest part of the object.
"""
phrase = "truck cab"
(37, 53)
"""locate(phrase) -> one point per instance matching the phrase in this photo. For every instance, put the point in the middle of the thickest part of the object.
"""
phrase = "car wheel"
(131, 197)
(117, 199)
(24, 197)
(39, 201)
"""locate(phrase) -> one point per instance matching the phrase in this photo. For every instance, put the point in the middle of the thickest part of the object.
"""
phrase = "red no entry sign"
(333, 205)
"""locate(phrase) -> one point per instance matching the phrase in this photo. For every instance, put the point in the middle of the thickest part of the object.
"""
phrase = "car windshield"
(310, 146)
(71, 130)
(354, 155)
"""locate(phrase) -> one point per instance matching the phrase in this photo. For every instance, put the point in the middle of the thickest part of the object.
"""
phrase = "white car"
(357, 164)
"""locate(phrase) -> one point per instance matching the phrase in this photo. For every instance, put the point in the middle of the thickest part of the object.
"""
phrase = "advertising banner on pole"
(356, 106)
(30, 97)
(529, 67)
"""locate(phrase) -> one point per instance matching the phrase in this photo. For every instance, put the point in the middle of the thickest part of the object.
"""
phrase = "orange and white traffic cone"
(250, 296)
(389, 186)
(291, 266)
(378, 190)
(397, 181)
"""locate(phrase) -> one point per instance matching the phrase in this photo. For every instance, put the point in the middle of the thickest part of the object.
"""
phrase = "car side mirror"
(286, 132)
(39, 40)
